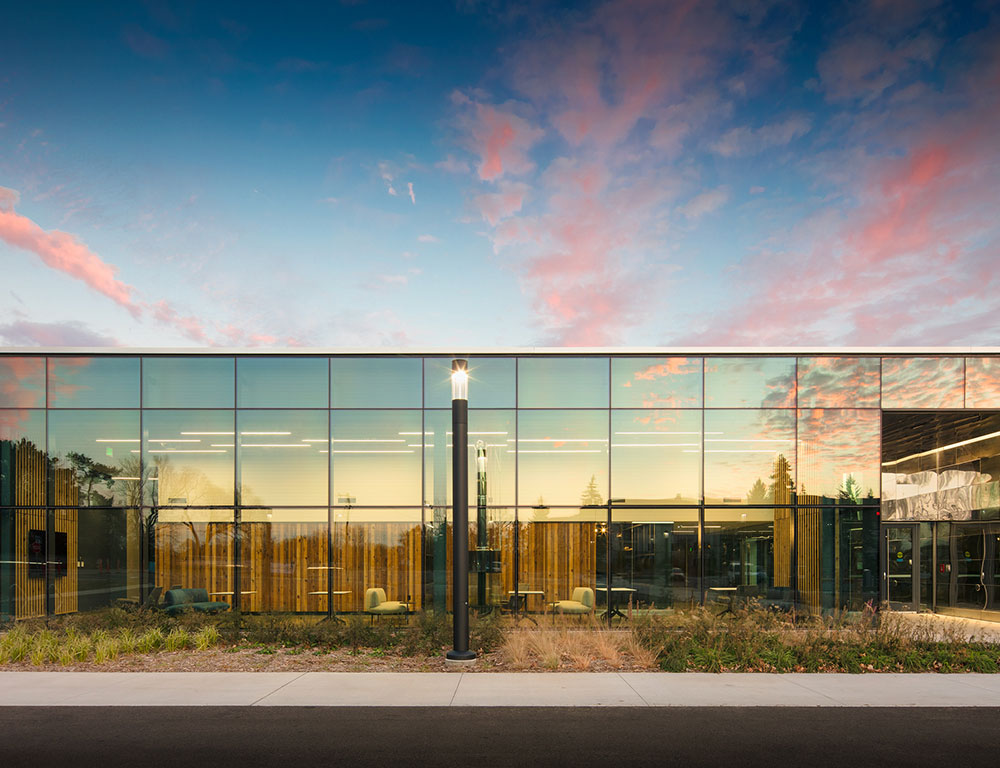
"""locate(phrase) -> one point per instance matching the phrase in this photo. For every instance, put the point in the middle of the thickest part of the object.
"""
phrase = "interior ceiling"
(908, 432)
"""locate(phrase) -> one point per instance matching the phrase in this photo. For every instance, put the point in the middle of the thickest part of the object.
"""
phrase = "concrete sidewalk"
(454, 689)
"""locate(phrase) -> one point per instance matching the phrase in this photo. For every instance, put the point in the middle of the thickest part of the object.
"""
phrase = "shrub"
(177, 640)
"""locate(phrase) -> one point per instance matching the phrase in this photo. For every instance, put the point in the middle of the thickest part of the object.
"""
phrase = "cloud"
(496, 206)
(501, 139)
(190, 326)
(752, 141)
(452, 165)
(63, 252)
(705, 203)
(23, 333)
(426, 239)
(409, 190)
(387, 177)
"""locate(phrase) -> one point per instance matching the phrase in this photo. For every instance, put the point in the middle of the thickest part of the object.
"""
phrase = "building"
(294, 481)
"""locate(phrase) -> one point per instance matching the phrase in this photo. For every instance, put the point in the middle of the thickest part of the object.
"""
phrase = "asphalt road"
(312, 737)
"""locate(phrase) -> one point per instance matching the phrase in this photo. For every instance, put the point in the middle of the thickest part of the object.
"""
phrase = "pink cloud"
(409, 190)
(63, 252)
(23, 333)
(496, 206)
(502, 140)
(189, 326)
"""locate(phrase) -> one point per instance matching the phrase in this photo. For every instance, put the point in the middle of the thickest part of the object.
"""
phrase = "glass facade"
(294, 483)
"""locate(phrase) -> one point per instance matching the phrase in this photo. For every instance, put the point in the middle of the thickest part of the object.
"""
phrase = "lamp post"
(460, 516)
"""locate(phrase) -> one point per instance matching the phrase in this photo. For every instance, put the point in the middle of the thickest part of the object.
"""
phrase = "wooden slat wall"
(782, 547)
(387, 555)
(557, 557)
(283, 564)
(809, 552)
(195, 555)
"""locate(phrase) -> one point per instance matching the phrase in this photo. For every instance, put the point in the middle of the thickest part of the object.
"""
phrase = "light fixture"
(460, 379)
(460, 504)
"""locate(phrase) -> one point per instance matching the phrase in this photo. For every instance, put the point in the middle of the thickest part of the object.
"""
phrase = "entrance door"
(975, 557)
(902, 567)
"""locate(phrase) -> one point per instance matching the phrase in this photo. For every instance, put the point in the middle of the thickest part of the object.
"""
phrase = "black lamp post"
(460, 516)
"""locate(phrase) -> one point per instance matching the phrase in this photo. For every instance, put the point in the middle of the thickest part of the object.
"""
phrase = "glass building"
(294, 482)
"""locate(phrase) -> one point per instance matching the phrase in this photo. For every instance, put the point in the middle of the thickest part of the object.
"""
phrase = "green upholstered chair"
(181, 600)
(377, 605)
(582, 602)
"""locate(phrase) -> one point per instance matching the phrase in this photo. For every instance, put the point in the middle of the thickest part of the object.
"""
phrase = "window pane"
(562, 382)
(562, 457)
(22, 382)
(838, 455)
(187, 382)
(491, 382)
(656, 382)
(95, 458)
(839, 382)
(376, 382)
(282, 382)
(748, 556)
(749, 457)
(284, 554)
(99, 556)
(982, 382)
(750, 382)
(376, 458)
(283, 457)
(188, 457)
(194, 549)
(559, 553)
(656, 456)
(93, 382)
(655, 553)
(377, 549)
(922, 382)
(496, 431)
(22, 458)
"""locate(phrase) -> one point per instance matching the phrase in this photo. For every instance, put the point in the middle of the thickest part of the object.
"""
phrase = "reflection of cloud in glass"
(922, 382)
(982, 382)
(22, 382)
(656, 382)
(839, 382)
(835, 444)
(742, 447)
(749, 382)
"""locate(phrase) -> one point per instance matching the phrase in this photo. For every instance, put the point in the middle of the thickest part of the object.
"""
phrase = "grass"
(698, 640)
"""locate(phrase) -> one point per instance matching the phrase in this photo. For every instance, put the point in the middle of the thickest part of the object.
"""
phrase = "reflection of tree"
(184, 482)
(591, 496)
(782, 485)
(87, 472)
(757, 493)
(850, 490)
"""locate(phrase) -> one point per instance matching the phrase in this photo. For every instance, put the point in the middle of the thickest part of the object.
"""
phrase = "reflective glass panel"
(376, 382)
(749, 457)
(749, 382)
(95, 458)
(23, 460)
(562, 382)
(558, 555)
(283, 457)
(94, 382)
(187, 382)
(377, 549)
(376, 458)
(562, 457)
(496, 431)
(491, 382)
(656, 382)
(748, 557)
(838, 454)
(189, 457)
(97, 561)
(839, 382)
(922, 382)
(193, 548)
(22, 382)
(654, 558)
(284, 557)
(982, 382)
(282, 382)
(656, 456)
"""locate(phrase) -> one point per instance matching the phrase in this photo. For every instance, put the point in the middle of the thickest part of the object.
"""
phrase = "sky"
(477, 173)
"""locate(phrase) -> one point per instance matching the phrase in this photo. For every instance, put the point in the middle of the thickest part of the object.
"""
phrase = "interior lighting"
(265, 433)
(182, 450)
(655, 445)
(360, 451)
(173, 440)
(274, 445)
(368, 440)
(117, 440)
(942, 448)
(208, 433)
(126, 478)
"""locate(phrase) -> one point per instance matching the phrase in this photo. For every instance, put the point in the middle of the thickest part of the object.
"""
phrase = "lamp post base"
(455, 658)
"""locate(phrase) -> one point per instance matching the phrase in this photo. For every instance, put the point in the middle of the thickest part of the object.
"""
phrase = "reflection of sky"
(285, 382)
(376, 382)
(922, 382)
(836, 443)
(18, 424)
(741, 447)
(188, 382)
(838, 382)
(656, 454)
(748, 382)
(376, 457)
(110, 438)
(558, 454)
(496, 430)
(982, 382)
(94, 382)
(656, 382)
(22, 382)
(283, 457)
(564, 382)
(491, 382)
(191, 456)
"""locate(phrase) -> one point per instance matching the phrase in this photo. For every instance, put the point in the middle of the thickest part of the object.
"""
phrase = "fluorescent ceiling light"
(265, 433)
(274, 445)
(208, 433)
(116, 440)
(942, 448)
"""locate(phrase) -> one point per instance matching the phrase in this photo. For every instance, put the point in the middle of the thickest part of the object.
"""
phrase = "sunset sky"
(479, 173)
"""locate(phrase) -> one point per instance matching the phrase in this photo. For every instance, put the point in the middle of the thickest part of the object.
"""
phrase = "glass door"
(902, 567)
(975, 555)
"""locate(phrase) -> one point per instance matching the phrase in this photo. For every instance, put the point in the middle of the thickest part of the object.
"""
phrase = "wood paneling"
(556, 558)
(195, 555)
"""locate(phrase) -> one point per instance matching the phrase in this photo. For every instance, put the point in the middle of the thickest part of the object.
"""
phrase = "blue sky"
(485, 173)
